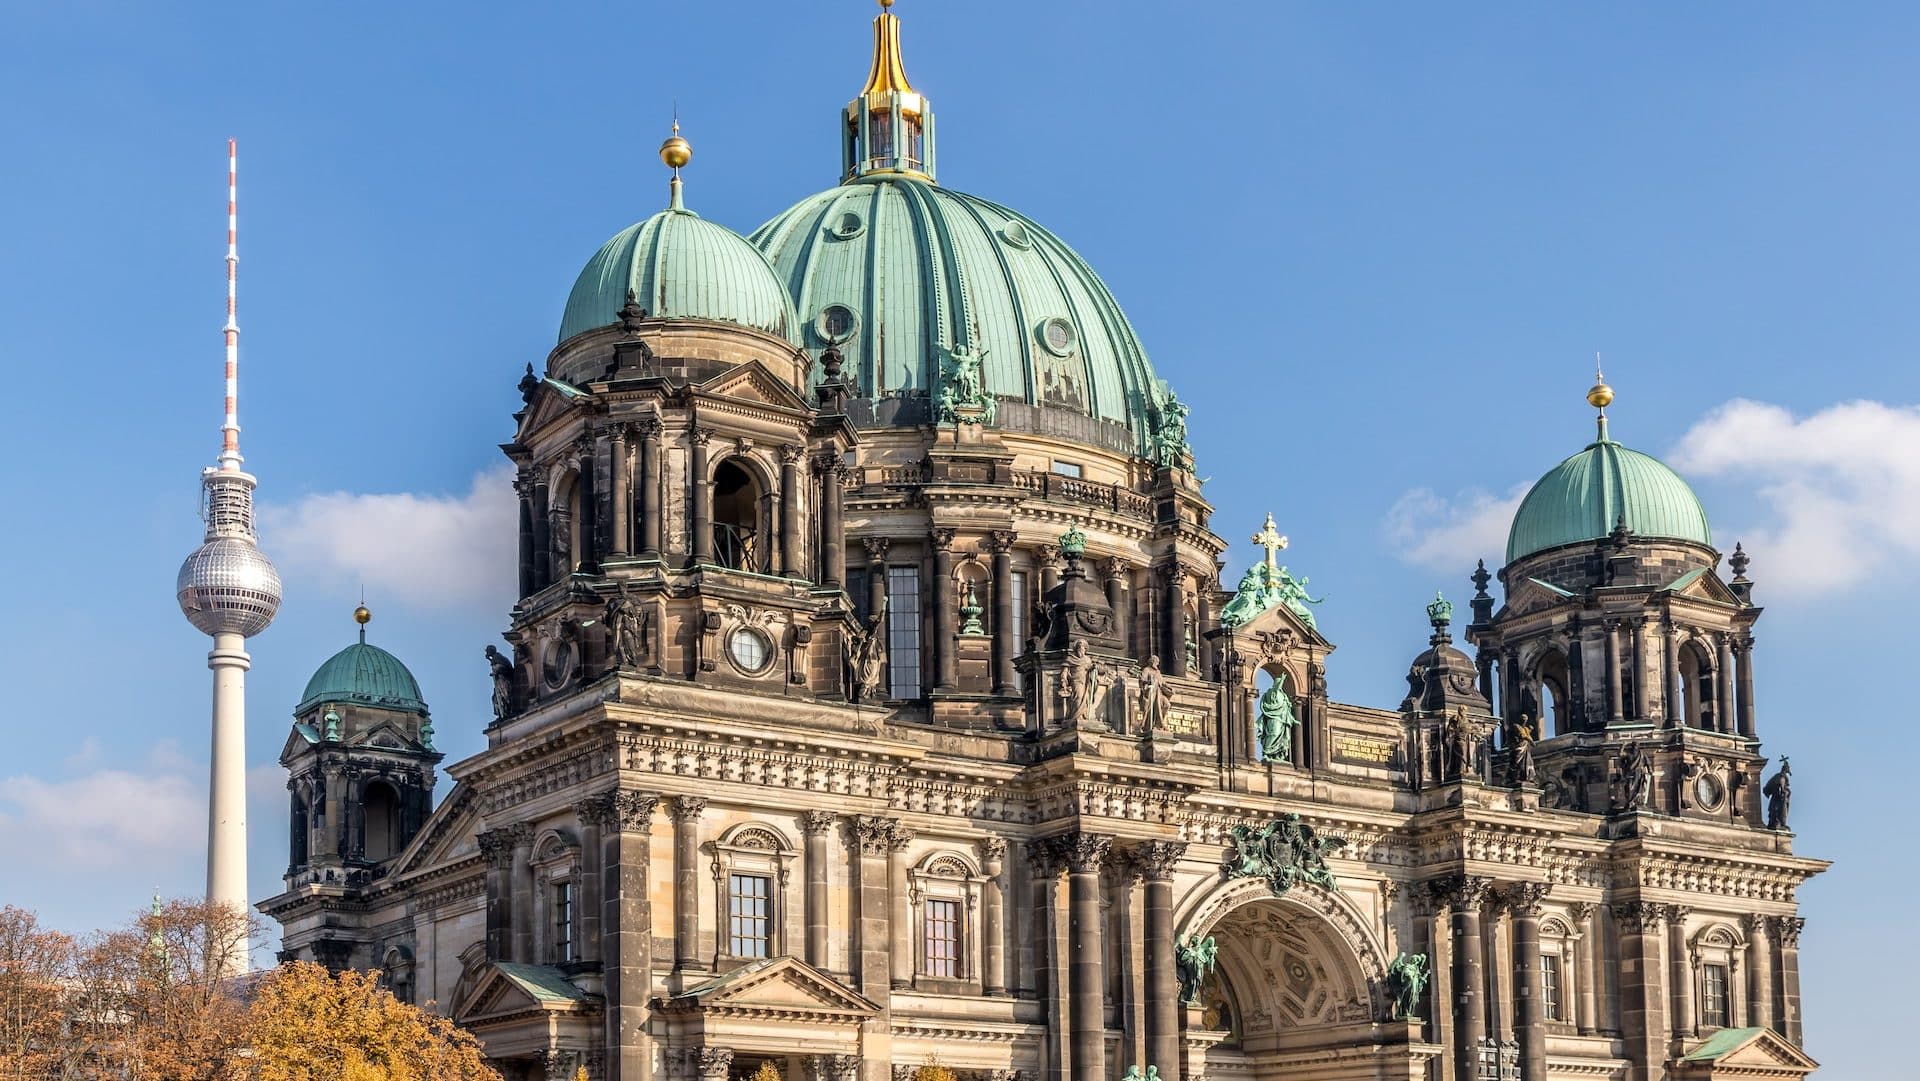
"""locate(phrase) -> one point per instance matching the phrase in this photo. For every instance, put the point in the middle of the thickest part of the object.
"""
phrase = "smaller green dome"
(364, 675)
(679, 265)
(1582, 498)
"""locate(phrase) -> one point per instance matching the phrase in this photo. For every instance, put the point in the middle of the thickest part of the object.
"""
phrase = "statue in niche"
(1080, 678)
(1193, 648)
(502, 671)
(1193, 959)
(1520, 766)
(626, 630)
(1154, 695)
(866, 654)
(1633, 784)
(1457, 738)
(1779, 793)
(1407, 977)
(1276, 721)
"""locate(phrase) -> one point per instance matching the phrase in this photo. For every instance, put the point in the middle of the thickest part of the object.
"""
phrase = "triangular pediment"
(386, 736)
(1287, 624)
(551, 401)
(1532, 595)
(1745, 1053)
(447, 835)
(752, 382)
(1700, 584)
(503, 988)
(777, 986)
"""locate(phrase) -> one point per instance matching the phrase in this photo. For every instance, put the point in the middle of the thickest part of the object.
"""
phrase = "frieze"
(754, 766)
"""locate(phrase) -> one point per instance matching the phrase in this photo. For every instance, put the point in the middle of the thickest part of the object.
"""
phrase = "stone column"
(542, 536)
(1173, 651)
(496, 847)
(790, 523)
(1113, 575)
(1581, 913)
(876, 572)
(1494, 962)
(1086, 984)
(1723, 693)
(833, 530)
(1759, 972)
(713, 1063)
(946, 616)
(522, 892)
(523, 491)
(1743, 676)
(1643, 995)
(1523, 901)
(1157, 860)
(814, 825)
(872, 836)
(686, 880)
(626, 928)
(621, 494)
(1642, 705)
(593, 813)
(1509, 710)
(1464, 895)
(1046, 861)
(700, 497)
(653, 510)
(1671, 700)
(900, 921)
(1000, 542)
(1616, 707)
(1680, 974)
(1430, 901)
(993, 935)
(1046, 557)
(588, 557)
(1786, 932)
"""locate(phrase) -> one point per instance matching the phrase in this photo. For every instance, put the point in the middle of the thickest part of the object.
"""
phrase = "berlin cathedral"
(874, 698)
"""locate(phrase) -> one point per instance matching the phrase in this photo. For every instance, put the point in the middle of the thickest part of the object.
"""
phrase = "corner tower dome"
(899, 272)
(678, 265)
(364, 675)
(1583, 498)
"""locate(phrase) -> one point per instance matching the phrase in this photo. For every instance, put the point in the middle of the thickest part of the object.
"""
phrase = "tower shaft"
(227, 781)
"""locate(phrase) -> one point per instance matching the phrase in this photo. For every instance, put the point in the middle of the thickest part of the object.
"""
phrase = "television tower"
(229, 590)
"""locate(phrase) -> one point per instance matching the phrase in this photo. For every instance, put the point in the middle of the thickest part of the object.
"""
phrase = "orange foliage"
(307, 1024)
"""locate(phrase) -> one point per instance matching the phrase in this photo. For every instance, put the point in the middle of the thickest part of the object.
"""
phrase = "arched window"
(1556, 714)
(297, 830)
(1696, 687)
(738, 540)
(563, 525)
(380, 807)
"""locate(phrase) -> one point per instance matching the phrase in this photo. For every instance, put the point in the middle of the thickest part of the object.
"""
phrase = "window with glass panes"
(563, 921)
(749, 915)
(1714, 1006)
(942, 935)
(1550, 986)
(1017, 600)
(903, 632)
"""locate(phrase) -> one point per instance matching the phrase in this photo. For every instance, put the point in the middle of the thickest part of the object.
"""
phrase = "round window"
(835, 323)
(848, 224)
(1016, 236)
(749, 650)
(1058, 336)
(1706, 791)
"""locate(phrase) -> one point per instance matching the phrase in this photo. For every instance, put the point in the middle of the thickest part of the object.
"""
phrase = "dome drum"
(681, 350)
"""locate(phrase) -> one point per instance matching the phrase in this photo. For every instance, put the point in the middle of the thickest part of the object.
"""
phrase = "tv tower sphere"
(227, 586)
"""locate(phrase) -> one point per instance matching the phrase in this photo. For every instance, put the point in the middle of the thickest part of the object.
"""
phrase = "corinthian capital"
(1461, 891)
(1157, 859)
(1524, 897)
(687, 808)
(1085, 852)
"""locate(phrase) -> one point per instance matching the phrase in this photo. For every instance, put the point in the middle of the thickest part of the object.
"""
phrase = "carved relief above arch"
(1353, 956)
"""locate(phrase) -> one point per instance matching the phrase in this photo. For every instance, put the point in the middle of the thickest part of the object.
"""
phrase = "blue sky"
(1375, 247)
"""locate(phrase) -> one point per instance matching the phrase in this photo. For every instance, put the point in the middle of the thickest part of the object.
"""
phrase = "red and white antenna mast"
(230, 428)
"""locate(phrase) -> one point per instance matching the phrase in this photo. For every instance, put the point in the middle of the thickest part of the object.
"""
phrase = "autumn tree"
(307, 1024)
(36, 974)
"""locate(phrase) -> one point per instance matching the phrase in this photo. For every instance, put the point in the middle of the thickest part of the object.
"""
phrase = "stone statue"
(963, 394)
(1154, 696)
(1193, 649)
(1275, 724)
(1041, 620)
(1407, 977)
(1635, 780)
(1193, 959)
(1170, 447)
(1080, 679)
(1779, 793)
(1133, 1074)
(1247, 599)
(1458, 740)
(866, 651)
(626, 630)
(1292, 592)
(502, 670)
(1283, 851)
(1520, 768)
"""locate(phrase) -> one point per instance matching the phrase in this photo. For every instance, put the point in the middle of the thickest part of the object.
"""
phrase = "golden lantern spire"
(889, 125)
(675, 153)
(889, 72)
(1600, 395)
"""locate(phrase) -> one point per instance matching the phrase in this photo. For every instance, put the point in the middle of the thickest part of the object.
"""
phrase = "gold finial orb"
(1600, 396)
(885, 4)
(361, 615)
(676, 152)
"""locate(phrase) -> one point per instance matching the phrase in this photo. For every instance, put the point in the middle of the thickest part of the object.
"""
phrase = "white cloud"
(1449, 534)
(438, 551)
(104, 819)
(1842, 485)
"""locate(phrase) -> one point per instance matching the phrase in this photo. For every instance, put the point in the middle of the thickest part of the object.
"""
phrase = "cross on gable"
(1269, 538)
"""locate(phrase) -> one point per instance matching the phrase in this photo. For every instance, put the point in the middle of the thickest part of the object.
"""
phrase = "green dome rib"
(364, 675)
(929, 268)
(680, 265)
(1580, 499)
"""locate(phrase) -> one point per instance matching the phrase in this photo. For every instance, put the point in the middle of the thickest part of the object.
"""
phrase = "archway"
(1696, 687)
(1550, 673)
(738, 539)
(381, 808)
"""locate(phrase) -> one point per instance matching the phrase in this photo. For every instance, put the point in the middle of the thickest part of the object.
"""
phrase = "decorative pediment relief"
(752, 382)
(503, 989)
(778, 987)
(1702, 585)
(1756, 1054)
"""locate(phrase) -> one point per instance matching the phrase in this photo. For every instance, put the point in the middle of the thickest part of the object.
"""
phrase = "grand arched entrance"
(1296, 992)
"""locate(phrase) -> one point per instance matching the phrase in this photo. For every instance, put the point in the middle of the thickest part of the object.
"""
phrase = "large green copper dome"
(680, 265)
(1582, 498)
(898, 271)
(364, 675)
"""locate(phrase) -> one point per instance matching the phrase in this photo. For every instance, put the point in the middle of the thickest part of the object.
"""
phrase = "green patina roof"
(364, 675)
(548, 986)
(924, 268)
(1580, 499)
(1723, 1042)
(680, 265)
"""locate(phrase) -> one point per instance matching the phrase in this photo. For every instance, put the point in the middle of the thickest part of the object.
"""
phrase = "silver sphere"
(227, 587)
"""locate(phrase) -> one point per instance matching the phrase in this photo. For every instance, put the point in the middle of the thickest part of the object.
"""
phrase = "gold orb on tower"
(1600, 396)
(361, 615)
(676, 152)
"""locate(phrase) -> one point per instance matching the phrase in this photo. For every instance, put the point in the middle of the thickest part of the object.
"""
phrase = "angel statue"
(866, 653)
(1407, 977)
(1193, 959)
